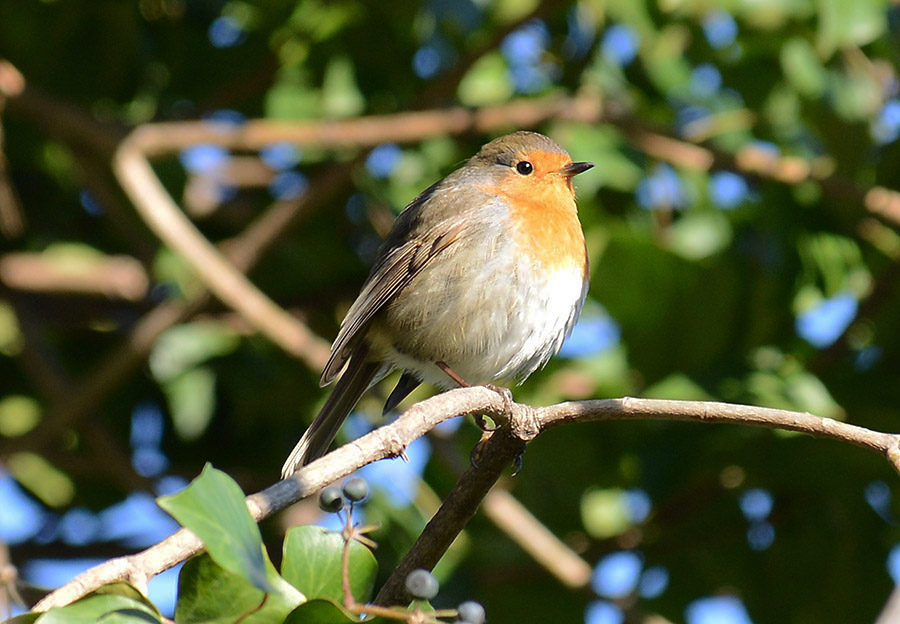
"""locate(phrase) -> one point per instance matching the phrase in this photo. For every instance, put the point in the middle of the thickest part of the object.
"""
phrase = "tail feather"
(408, 382)
(360, 374)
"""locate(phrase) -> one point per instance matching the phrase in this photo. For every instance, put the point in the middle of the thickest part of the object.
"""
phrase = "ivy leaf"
(324, 612)
(312, 564)
(209, 594)
(100, 607)
(213, 507)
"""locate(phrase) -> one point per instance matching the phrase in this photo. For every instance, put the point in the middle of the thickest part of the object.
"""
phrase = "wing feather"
(394, 269)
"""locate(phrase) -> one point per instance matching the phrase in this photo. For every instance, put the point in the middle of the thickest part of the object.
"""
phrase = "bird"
(480, 279)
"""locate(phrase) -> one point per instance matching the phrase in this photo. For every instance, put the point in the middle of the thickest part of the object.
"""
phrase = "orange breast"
(545, 221)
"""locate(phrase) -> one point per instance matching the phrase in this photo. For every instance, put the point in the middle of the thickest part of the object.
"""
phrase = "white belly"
(489, 321)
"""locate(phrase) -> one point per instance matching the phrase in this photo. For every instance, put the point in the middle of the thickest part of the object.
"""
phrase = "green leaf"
(10, 336)
(677, 386)
(291, 98)
(698, 235)
(19, 414)
(326, 612)
(340, 94)
(843, 23)
(604, 513)
(127, 616)
(603, 146)
(192, 401)
(109, 609)
(665, 60)
(802, 67)
(185, 347)
(807, 393)
(486, 82)
(213, 507)
(41, 478)
(312, 564)
(209, 594)
(320, 612)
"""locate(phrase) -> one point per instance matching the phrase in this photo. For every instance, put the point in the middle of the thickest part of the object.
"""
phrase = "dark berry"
(330, 499)
(471, 612)
(356, 489)
(422, 585)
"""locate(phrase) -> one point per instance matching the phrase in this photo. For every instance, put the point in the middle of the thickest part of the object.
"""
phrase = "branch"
(113, 277)
(753, 160)
(514, 519)
(524, 423)
(226, 281)
(527, 423)
(225, 278)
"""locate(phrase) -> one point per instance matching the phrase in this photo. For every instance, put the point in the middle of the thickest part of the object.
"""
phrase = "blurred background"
(743, 240)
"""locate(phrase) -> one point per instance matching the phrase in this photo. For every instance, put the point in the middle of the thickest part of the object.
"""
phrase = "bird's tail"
(360, 374)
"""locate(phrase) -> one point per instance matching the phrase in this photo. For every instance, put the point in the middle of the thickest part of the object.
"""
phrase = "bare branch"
(524, 423)
(536, 539)
(225, 280)
(109, 276)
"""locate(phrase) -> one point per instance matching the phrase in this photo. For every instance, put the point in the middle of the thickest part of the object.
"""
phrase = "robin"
(481, 278)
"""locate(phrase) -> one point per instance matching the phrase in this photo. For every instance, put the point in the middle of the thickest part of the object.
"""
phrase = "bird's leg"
(452, 374)
(505, 393)
(486, 430)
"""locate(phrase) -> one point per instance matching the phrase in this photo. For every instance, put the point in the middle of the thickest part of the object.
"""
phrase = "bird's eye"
(524, 167)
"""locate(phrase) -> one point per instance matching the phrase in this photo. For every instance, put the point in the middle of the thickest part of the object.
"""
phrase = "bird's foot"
(505, 394)
(517, 462)
(479, 449)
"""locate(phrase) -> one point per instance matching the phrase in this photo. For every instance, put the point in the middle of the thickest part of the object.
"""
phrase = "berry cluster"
(421, 584)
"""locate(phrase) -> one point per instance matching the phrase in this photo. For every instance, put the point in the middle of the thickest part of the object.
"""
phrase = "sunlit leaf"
(192, 401)
(18, 414)
(340, 94)
(312, 563)
(213, 507)
(854, 23)
(185, 346)
(802, 67)
(209, 594)
(101, 608)
(44, 480)
(604, 513)
(487, 82)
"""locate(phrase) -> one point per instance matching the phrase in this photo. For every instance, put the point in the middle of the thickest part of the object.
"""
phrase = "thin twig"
(525, 423)
(226, 281)
(890, 613)
(12, 217)
(534, 538)
(109, 276)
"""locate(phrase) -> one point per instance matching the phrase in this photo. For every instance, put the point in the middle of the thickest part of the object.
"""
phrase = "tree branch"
(224, 279)
(523, 423)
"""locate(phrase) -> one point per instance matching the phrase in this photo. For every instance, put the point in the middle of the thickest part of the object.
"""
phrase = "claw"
(517, 463)
(505, 394)
(473, 456)
(476, 451)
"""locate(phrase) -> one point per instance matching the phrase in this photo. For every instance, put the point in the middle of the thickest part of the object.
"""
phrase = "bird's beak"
(574, 168)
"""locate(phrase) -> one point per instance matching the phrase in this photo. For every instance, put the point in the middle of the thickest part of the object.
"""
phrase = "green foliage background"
(706, 298)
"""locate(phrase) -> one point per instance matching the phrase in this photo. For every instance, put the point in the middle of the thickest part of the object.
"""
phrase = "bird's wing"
(394, 269)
